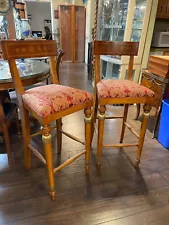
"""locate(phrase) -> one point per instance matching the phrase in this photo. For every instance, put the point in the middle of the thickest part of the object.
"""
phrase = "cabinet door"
(65, 17)
(162, 10)
(80, 25)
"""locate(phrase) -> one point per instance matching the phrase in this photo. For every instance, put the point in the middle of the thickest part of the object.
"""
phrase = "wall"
(39, 12)
(90, 13)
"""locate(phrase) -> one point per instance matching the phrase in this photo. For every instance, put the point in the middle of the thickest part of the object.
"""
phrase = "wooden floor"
(118, 195)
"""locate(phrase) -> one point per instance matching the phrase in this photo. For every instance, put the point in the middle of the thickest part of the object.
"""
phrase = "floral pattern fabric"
(122, 89)
(49, 99)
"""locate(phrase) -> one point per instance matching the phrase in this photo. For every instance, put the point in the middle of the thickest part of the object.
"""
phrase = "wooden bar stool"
(47, 103)
(119, 92)
(8, 115)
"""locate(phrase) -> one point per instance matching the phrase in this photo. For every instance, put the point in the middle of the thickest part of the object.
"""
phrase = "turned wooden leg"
(17, 123)
(156, 122)
(46, 139)
(26, 136)
(88, 121)
(94, 117)
(123, 123)
(59, 135)
(7, 143)
(101, 117)
(146, 114)
(138, 111)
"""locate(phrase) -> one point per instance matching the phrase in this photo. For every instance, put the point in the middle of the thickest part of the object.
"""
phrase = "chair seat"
(122, 89)
(49, 99)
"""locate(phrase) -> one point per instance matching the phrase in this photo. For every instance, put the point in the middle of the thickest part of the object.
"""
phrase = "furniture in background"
(31, 72)
(42, 103)
(156, 78)
(60, 54)
(119, 92)
(159, 51)
(163, 9)
(8, 115)
(72, 21)
(20, 8)
(90, 61)
(125, 21)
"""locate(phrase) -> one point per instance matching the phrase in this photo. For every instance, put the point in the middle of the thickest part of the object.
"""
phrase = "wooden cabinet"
(163, 9)
(72, 21)
(156, 78)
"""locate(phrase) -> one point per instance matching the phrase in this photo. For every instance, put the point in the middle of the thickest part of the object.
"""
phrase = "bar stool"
(47, 103)
(119, 92)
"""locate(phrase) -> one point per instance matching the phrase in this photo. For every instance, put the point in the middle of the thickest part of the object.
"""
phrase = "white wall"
(90, 12)
(39, 12)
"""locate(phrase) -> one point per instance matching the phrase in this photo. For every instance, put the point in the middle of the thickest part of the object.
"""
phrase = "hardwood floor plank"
(119, 194)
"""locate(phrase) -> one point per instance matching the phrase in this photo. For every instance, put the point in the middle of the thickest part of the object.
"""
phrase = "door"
(112, 17)
(66, 39)
(138, 26)
(162, 9)
(72, 32)
(132, 25)
(80, 26)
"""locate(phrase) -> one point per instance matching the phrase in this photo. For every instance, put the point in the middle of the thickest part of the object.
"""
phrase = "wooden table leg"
(157, 117)
(138, 111)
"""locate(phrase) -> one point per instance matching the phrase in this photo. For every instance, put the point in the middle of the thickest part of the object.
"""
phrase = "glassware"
(138, 20)
(25, 29)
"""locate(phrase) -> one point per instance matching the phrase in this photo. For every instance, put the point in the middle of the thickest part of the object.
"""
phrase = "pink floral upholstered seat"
(49, 99)
(122, 89)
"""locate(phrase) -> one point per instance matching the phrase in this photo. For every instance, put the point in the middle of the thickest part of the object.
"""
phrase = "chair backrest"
(114, 48)
(13, 49)
(60, 53)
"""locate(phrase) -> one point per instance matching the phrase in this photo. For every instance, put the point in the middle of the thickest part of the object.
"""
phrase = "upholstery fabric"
(122, 89)
(49, 99)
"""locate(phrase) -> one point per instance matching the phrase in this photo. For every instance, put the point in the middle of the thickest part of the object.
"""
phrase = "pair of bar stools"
(52, 102)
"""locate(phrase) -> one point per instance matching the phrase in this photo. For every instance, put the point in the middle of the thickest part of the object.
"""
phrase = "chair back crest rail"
(14, 49)
(115, 49)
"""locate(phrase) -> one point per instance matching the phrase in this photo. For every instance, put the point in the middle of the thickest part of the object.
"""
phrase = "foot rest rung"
(67, 162)
(73, 137)
(120, 145)
(113, 117)
(132, 130)
(38, 155)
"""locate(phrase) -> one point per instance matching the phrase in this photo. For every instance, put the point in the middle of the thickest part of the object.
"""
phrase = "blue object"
(22, 66)
(26, 33)
(163, 134)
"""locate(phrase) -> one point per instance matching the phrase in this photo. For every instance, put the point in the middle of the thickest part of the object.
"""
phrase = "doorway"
(72, 21)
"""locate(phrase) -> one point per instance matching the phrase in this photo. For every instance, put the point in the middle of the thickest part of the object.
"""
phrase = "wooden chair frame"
(126, 49)
(6, 122)
(12, 50)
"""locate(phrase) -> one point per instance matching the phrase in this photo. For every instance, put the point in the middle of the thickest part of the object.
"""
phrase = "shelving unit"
(123, 20)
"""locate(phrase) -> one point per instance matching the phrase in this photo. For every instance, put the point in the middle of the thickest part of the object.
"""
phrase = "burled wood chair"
(8, 115)
(47, 103)
(119, 92)
(60, 54)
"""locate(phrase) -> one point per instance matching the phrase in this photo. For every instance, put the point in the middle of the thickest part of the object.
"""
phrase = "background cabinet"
(163, 9)
(72, 21)
(125, 20)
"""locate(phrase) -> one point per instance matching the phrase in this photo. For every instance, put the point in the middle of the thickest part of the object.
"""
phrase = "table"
(31, 72)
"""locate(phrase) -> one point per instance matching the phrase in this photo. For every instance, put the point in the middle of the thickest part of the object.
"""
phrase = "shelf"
(136, 28)
(110, 59)
(113, 28)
